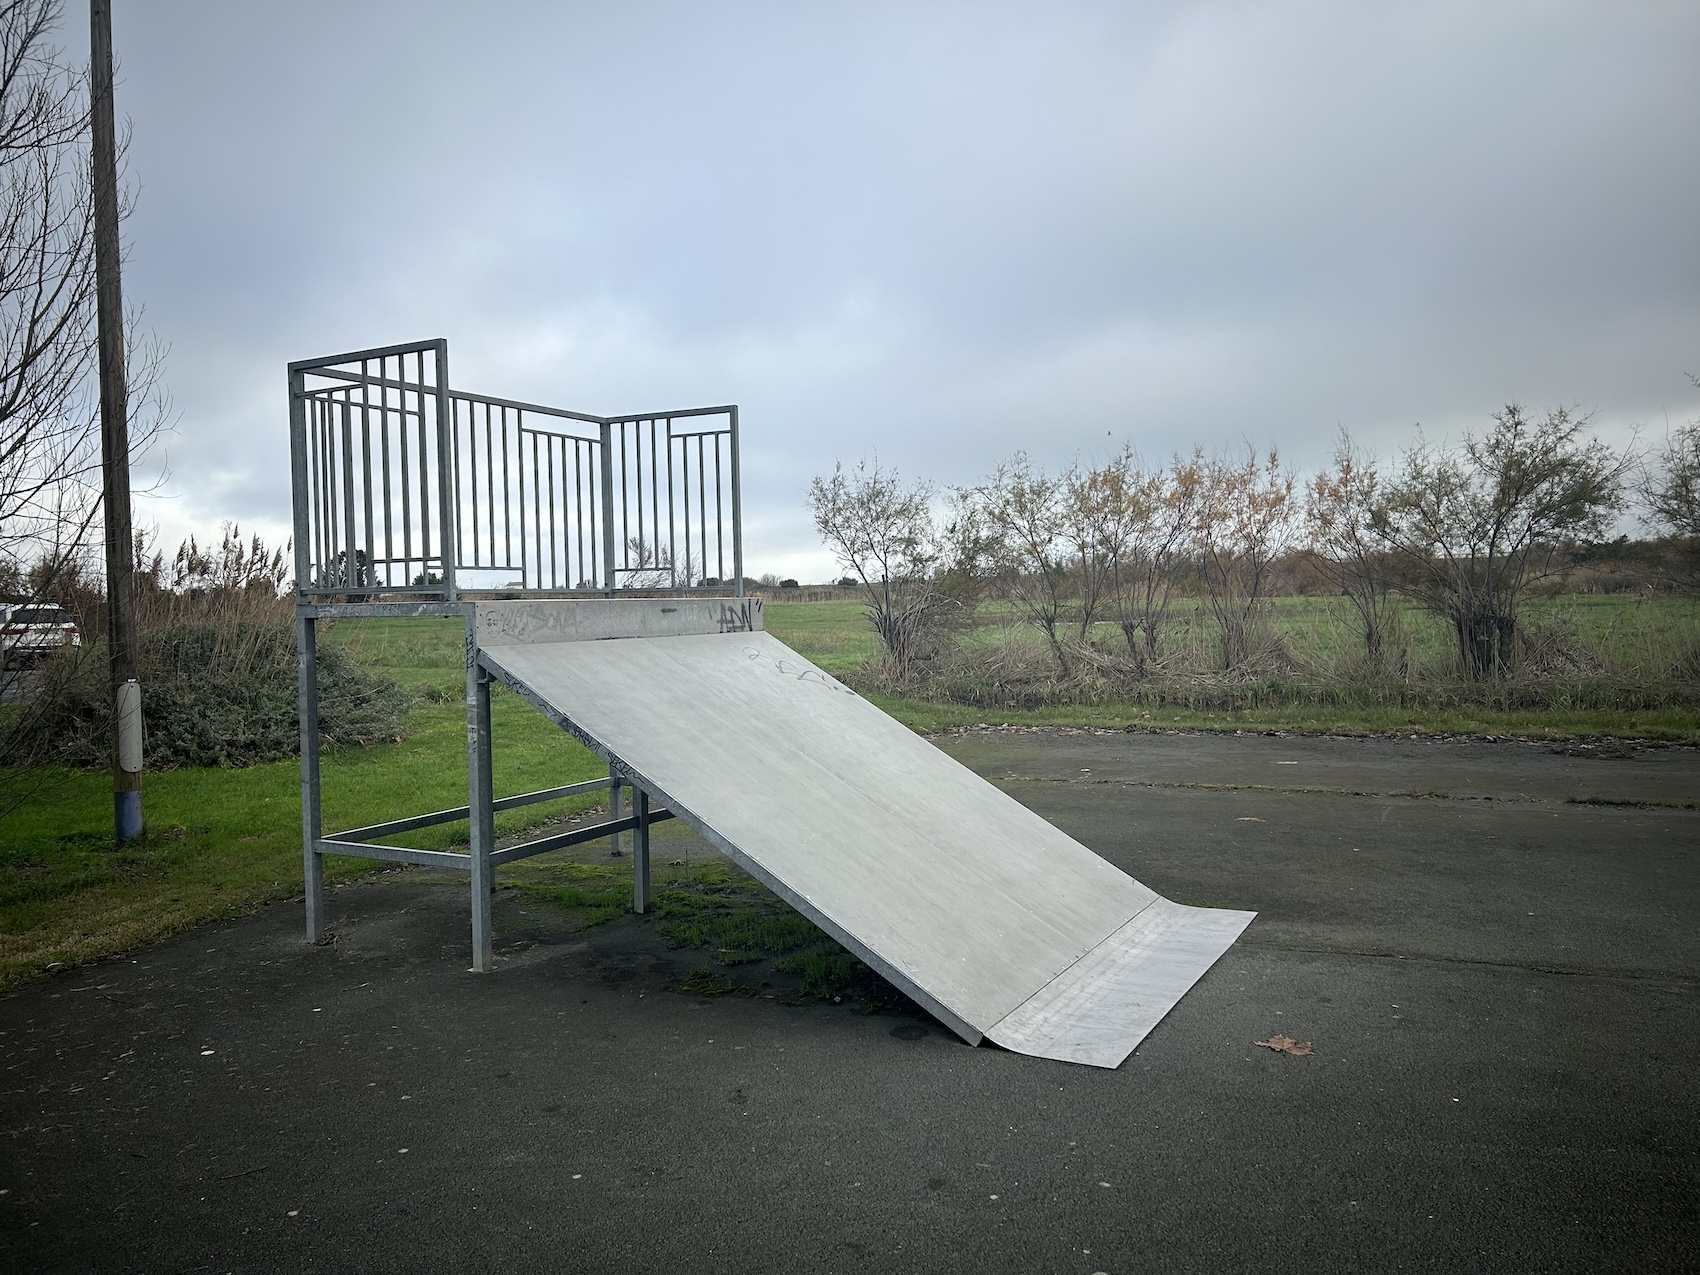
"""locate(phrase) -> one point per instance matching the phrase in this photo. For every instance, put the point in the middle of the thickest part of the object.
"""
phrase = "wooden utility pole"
(114, 439)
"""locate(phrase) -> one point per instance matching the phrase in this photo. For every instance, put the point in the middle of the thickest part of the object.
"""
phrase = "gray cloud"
(939, 231)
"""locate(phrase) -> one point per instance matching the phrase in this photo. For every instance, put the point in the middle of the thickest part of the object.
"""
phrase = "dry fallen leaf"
(1285, 1045)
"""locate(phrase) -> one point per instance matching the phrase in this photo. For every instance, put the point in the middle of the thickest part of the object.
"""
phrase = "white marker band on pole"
(130, 726)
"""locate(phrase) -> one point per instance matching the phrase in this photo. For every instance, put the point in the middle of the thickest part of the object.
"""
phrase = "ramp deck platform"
(999, 924)
(413, 498)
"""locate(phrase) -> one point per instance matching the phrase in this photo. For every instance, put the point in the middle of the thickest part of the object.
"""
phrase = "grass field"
(1630, 641)
(221, 842)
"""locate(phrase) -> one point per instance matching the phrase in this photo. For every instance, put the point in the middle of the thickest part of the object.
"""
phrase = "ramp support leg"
(481, 816)
(616, 812)
(307, 687)
(640, 851)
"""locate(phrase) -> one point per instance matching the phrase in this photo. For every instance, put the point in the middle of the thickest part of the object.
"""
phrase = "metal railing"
(403, 485)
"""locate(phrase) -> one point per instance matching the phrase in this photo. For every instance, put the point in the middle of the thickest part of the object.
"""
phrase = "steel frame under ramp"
(999, 924)
(481, 858)
(412, 498)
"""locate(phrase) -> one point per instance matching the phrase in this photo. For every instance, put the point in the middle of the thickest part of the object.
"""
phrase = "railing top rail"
(333, 368)
(353, 380)
(628, 418)
(467, 396)
(356, 356)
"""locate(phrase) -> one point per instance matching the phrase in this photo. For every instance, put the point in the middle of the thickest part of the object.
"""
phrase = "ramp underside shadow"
(994, 920)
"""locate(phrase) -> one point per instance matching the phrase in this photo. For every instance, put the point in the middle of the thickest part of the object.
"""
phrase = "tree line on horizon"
(1468, 531)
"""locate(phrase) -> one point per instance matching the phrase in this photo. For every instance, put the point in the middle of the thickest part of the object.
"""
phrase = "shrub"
(221, 692)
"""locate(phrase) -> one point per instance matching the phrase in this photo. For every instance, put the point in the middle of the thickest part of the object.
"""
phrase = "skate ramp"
(998, 923)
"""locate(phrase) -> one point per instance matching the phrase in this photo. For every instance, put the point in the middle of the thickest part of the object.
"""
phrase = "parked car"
(35, 629)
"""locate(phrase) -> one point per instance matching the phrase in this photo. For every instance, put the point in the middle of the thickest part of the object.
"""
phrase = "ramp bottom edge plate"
(1098, 1009)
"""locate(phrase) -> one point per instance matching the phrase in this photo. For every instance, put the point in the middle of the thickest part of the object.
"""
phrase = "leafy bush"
(221, 692)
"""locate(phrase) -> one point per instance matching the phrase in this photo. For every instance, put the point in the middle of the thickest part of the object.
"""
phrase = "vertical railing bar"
(454, 432)
(685, 484)
(327, 494)
(406, 474)
(384, 461)
(317, 467)
(537, 508)
(366, 477)
(424, 472)
(737, 512)
(339, 468)
(465, 453)
(351, 528)
(310, 435)
(507, 504)
(655, 505)
(637, 484)
(448, 515)
(345, 490)
(490, 477)
(467, 487)
(702, 503)
(478, 552)
(350, 483)
(300, 483)
(719, 519)
(605, 520)
(461, 516)
(625, 547)
(593, 484)
(472, 443)
(554, 575)
(578, 507)
(331, 483)
(672, 533)
(519, 478)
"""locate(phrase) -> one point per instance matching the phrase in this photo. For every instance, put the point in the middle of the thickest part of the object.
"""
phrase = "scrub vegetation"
(1105, 597)
(1462, 586)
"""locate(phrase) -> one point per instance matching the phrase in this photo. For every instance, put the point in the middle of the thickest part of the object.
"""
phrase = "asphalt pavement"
(1490, 946)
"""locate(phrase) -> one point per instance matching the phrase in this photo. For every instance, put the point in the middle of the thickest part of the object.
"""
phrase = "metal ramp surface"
(998, 923)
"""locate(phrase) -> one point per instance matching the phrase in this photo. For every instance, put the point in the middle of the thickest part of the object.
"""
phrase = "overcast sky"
(936, 231)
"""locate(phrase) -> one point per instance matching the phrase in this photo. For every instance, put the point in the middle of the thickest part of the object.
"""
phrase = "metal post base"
(127, 814)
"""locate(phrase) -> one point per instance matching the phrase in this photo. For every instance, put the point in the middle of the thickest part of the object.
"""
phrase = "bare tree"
(1244, 520)
(1025, 514)
(49, 436)
(1473, 528)
(1095, 527)
(965, 554)
(48, 460)
(1669, 487)
(1339, 516)
(1158, 509)
(49, 424)
(651, 567)
(881, 531)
